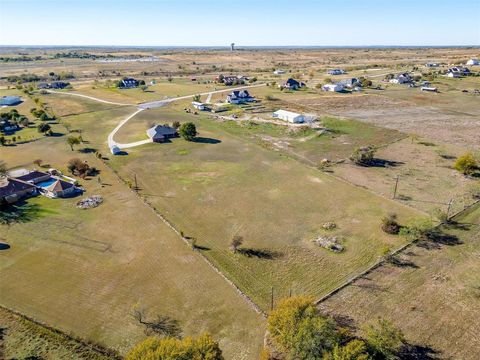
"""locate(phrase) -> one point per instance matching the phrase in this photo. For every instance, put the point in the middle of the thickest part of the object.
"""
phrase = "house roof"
(287, 113)
(7, 100)
(59, 185)
(161, 130)
(32, 175)
(9, 186)
(240, 93)
(291, 82)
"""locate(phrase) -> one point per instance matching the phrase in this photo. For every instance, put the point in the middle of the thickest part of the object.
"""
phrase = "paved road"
(149, 105)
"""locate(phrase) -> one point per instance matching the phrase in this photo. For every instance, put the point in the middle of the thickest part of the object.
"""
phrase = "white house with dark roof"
(129, 83)
(404, 78)
(292, 84)
(336, 72)
(239, 97)
(333, 87)
(473, 62)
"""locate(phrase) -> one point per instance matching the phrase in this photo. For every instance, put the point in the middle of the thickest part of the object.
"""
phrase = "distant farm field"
(434, 298)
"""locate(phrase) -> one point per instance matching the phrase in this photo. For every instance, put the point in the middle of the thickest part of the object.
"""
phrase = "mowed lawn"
(225, 184)
(435, 300)
(82, 271)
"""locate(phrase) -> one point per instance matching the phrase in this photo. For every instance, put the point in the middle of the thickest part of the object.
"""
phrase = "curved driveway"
(144, 106)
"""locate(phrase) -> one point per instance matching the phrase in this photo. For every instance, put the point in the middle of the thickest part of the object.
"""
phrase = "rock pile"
(90, 202)
(331, 243)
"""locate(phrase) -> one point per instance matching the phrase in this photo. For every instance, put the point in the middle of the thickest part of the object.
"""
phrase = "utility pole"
(136, 185)
(396, 186)
(448, 209)
(271, 300)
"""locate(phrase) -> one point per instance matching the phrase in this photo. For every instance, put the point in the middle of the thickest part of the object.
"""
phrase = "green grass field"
(434, 298)
(82, 270)
(24, 339)
(225, 184)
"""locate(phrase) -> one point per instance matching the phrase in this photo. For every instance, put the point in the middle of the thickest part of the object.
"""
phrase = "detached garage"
(289, 116)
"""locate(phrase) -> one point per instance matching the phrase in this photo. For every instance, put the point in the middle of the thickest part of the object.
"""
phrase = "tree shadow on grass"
(4, 246)
(87, 150)
(260, 253)
(204, 140)
(401, 262)
(435, 238)
(384, 163)
(20, 212)
(418, 352)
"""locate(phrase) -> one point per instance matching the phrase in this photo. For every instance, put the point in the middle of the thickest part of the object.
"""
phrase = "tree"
(188, 131)
(299, 330)
(196, 97)
(390, 224)
(236, 242)
(353, 350)
(384, 339)
(38, 162)
(72, 141)
(176, 124)
(466, 164)
(203, 347)
(3, 141)
(43, 128)
(143, 87)
(3, 169)
(363, 156)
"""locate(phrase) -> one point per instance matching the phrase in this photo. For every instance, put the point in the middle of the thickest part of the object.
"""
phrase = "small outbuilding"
(198, 105)
(10, 100)
(161, 133)
(473, 62)
(333, 87)
(289, 116)
(58, 189)
(115, 150)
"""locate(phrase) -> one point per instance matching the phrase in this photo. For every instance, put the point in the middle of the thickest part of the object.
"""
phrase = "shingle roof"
(59, 185)
(32, 175)
(11, 186)
(161, 130)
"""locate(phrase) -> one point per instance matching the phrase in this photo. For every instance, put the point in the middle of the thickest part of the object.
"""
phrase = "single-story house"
(350, 83)
(129, 83)
(429, 88)
(289, 116)
(59, 85)
(292, 84)
(279, 72)
(473, 62)
(58, 189)
(336, 72)
(198, 105)
(239, 97)
(12, 190)
(34, 177)
(10, 100)
(333, 87)
(160, 133)
(401, 79)
(43, 85)
(432, 65)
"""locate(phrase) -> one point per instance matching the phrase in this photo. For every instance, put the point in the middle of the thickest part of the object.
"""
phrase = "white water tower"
(232, 46)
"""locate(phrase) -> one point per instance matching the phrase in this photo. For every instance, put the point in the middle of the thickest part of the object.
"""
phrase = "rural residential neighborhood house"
(12, 190)
(336, 72)
(129, 83)
(10, 100)
(350, 83)
(161, 133)
(289, 116)
(333, 87)
(58, 189)
(292, 84)
(279, 72)
(404, 78)
(457, 71)
(34, 177)
(6, 126)
(198, 105)
(473, 62)
(239, 97)
(432, 65)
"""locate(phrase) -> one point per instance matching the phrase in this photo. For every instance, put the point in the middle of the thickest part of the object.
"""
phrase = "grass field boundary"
(89, 344)
(167, 222)
(385, 260)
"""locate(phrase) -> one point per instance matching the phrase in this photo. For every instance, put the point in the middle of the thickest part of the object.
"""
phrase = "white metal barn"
(332, 87)
(289, 116)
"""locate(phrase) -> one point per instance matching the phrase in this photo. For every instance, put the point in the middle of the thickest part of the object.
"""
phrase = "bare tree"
(237, 240)
(163, 325)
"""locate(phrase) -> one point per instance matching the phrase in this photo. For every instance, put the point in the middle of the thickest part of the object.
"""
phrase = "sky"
(244, 22)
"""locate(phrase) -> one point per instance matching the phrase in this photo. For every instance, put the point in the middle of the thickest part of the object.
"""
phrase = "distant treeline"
(26, 77)
(20, 58)
(68, 55)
